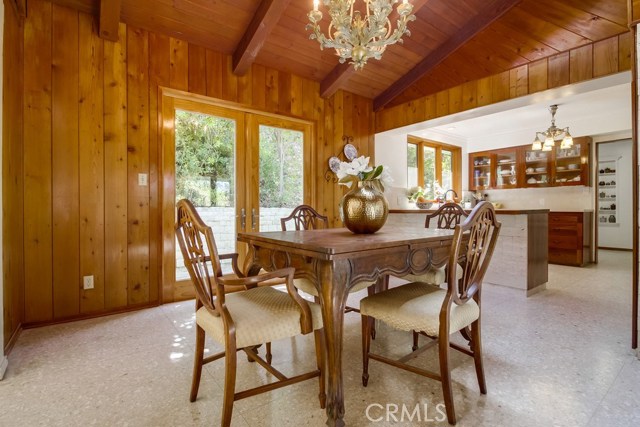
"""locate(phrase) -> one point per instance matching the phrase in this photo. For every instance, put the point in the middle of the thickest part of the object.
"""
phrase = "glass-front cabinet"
(522, 167)
(507, 168)
(536, 168)
(571, 164)
(480, 165)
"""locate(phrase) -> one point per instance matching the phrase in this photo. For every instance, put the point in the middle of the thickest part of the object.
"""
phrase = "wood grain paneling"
(605, 57)
(91, 157)
(66, 219)
(13, 178)
(91, 113)
(115, 166)
(37, 164)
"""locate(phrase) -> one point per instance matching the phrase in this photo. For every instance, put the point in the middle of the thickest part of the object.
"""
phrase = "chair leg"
(230, 365)
(367, 324)
(416, 336)
(477, 355)
(319, 339)
(269, 356)
(445, 375)
(197, 363)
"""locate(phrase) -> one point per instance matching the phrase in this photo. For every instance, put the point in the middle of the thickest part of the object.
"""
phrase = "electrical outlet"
(142, 179)
(87, 282)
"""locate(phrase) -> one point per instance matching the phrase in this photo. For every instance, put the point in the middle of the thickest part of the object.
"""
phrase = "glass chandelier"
(546, 140)
(357, 37)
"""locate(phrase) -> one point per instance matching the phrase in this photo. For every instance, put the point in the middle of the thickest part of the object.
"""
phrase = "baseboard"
(4, 362)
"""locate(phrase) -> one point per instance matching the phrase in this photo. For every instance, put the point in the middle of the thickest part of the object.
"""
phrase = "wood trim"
(635, 137)
(110, 19)
(476, 24)
(496, 88)
(456, 161)
(263, 22)
(84, 316)
(11, 340)
(19, 7)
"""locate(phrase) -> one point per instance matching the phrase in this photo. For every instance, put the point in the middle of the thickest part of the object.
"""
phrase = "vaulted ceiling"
(452, 41)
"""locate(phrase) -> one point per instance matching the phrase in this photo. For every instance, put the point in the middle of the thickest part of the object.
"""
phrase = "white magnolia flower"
(355, 167)
(385, 177)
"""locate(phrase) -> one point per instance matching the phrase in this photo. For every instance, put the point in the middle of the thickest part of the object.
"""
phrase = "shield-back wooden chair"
(240, 315)
(438, 313)
(304, 217)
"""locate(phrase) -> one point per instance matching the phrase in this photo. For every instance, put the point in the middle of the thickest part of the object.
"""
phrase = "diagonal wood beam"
(342, 72)
(264, 20)
(109, 19)
(478, 23)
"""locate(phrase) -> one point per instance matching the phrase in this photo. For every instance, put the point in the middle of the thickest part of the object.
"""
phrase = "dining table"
(335, 259)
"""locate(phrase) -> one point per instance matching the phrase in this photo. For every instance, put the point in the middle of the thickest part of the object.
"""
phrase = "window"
(430, 161)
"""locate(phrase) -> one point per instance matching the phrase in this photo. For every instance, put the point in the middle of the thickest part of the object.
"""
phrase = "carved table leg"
(333, 298)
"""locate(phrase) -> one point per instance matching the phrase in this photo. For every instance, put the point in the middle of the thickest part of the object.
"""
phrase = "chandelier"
(546, 140)
(357, 36)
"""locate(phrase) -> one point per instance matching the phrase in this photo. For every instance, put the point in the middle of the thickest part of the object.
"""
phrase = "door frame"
(169, 100)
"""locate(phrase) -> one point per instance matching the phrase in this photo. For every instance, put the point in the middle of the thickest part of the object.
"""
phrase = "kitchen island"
(520, 259)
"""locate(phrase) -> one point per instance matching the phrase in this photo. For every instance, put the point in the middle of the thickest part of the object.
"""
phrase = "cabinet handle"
(243, 219)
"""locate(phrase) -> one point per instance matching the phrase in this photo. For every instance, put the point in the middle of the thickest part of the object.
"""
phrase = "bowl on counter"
(424, 205)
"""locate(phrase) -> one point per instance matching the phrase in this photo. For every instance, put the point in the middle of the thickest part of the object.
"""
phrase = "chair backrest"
(449, 215)
(304, 217)
(472, 248)
(199, 252)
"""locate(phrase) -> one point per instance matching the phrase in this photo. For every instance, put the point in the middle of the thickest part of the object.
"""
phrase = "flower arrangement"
(358, 170)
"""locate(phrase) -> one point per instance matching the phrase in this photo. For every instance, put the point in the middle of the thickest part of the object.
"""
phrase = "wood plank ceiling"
(452, 41)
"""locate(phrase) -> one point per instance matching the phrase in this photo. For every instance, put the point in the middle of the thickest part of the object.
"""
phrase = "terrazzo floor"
(559, 358)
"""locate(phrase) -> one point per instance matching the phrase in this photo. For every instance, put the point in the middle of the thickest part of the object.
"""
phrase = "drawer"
(563, 230)
(565, 257)
(563, 242)
(564, 219)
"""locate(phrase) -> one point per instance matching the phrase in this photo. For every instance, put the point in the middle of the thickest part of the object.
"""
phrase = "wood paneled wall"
(90, 126)
(597, 59)
(13, 176)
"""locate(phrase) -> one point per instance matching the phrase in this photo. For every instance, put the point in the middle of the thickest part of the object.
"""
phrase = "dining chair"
(439, 313)
(304, 217)
(240, 315)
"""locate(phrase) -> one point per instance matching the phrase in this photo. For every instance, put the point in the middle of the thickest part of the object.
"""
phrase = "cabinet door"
(480, 166)
(507, 168)
(537, 171)
(571, 166)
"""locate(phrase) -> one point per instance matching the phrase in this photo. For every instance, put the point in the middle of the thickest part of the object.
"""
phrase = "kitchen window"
(430, 161)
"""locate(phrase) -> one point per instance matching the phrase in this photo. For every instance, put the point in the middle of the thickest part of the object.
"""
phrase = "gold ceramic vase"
(364, 209)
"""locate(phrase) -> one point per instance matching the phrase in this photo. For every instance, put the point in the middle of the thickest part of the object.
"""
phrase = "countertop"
(498, 211)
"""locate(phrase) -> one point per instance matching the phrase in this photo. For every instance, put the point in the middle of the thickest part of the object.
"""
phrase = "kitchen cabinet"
(570, 238)
(607, 179)
(521, 167)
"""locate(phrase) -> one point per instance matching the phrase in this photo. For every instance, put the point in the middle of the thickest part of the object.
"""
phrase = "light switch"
(142, 179)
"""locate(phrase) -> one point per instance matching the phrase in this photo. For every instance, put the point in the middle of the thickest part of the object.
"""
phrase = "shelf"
(511, 162)
(568, 170)
(607, 174)
(606, 186)
(481, 166)
(536, 173)
(566, 157)
(610, 199)
(537, 161)
(608, 224)
(607, 210)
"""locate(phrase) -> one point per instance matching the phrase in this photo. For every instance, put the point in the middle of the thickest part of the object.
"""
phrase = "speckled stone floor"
(559, 358)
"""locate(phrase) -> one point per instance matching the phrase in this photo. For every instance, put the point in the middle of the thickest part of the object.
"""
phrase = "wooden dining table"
(336, 259)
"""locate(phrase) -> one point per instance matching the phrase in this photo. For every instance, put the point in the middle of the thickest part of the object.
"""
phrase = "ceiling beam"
(478, 23)
(264, 20)
(342, 72)
(109, 19)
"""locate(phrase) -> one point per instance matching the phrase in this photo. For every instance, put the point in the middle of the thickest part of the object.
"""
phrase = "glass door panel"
(537, 168)
(281, 184)
(205, 174)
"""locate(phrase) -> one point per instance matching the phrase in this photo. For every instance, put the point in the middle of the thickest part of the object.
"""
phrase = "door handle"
(253, 219)
(243, 219)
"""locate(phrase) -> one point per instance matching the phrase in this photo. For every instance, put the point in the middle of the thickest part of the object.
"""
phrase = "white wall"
(3, 359)
(620, 235)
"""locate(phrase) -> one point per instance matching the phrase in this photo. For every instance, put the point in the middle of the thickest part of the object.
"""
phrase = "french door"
(242, 170)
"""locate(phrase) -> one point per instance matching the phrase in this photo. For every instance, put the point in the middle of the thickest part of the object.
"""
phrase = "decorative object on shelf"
(364, 209)
(360, 33)
(545, 141)
(343, 155)
(607, 171)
